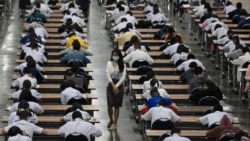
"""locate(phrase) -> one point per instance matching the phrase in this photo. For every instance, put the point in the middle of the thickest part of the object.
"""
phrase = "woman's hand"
(115, 90)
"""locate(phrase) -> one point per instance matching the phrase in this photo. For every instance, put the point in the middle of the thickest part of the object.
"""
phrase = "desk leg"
(217, 57)
(235, 88)
(248, 101)
(222, 63)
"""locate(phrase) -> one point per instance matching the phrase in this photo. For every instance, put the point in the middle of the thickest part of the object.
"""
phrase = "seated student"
(26, 89)
(119, 27)
(71, 49)
(42, 32)
(117, 9)
(176, 136)
(27, 127)
(28, 47)
(70, 94)
(28, 61)
(245, 57)
(189, 74)
(244, 23)
(149, 77)
(172, 48)
(135, 40)
(200, 10)
(22, 106)
(198, 81)
(75, 67)
(31, 34)
(214, 25)
(72, 9)
(75, 55)
(26, 76)
(208, 14)
(220, 32)
(126, 36)
(65, 6)
(72, 37)
(172, 33)
(36, 15)
(184, 66)
(217, 3)
(70, 24)
(78, 125)
(16, 134)
(161, 112)
(52, 2)
(78, 20)
(237, 11)
(233, 44)
(210, 89)
(35, 107)
(225, 127)
(130, 18)
(35, 23)
(43, 8)
(121, 12)
(156, 17)
(229, 7)
(76, 107)
(138, 54)
(180, 55)
(213, 119)
(154, 83)
(36, 54)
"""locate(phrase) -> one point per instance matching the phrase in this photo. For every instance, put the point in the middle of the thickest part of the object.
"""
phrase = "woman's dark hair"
(120, 61)
(76, 114)
(27, 95)
(31, 63)
(182, 48)
(134, 39)
(150, 75)
(74, 107)
(228, 3)
(38, 5)
(23, 104)
(211, 84)
(67, 83)
(14, 130)
(76, 45)
(154, 92)
(154, 83)
(190, 56)
(129, 26)
(71, 5)
(26, 84)
(155, 9)
(31, 30)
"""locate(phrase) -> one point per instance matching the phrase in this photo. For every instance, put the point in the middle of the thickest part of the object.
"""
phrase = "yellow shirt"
(124, 38)
(74, 37)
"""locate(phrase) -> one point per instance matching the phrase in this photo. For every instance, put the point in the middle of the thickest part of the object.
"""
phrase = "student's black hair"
(150, 75)
(71, 5)
(130, 13)
(154, 83)
(26, 70)
(190, 56)
(75, 106)
(193, 65)
(23, 104)
(76, 45)
(217, 26)
(203, 2)
(207, 5)
(124, 19)
(27, 95)
(14, 130)
(218, 108)
(31, 30)
(182, 48)
(26, 84)
(171, 30)
(162, 102)
(230, 31)
(175, 130)
(137, 45)
(134, 39)
(67, 83)
(67, 12)
(173, 39)
(245, 49)
(23, 114)
(129, 26)
(239, 5)
(211, 84)
(38, 5)
(120, 61)
(76, 114)
(209, 10)
(154, 92)
(198, 70)
(228, 3)
(69, 21)
(121, 9)
(33, 45)
(74, 14)
(68, 73)
(118, 5)
(155, 9)
(31, 63)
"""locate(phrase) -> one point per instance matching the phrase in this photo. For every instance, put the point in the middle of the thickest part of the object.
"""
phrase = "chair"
(143, 70)
(163, 125)
(76, 137)
(208, 101)
(139, 63)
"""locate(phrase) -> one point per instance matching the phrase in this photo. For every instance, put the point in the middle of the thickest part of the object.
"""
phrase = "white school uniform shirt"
(240, 62)
(214, 118)
(229, 47)
(78, 20)
(41, 32)
(209, 21)
(184, 66)
(178, 56)
(159, 17)
(19, 81)
(146, 85)
(69, 93)
(137, 55)
(27, 49)
(170, 50)
(219, 32)
(45, 10)
(81, 127)
(65, 17)
(131, 49)
(229, 9)
(176, 137)
(27, 127)
(19, 137)
(148, 8)
(120, 26)
(115, 11)
(211, 26)
(35, 107)
(135, 31)
(130, 19)
(199, 11)
(85, 115)
(111, 68)
(37, 55)
(126, 8)
(66, 5)
(159, 112)
(34, 93)
(162, 93)
(24, 64)
(75, 10)
(14, 118)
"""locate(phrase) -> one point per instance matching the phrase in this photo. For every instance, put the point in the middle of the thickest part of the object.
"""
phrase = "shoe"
(110, 124)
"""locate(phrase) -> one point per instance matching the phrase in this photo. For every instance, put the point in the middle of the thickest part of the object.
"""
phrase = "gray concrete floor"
(101, 46)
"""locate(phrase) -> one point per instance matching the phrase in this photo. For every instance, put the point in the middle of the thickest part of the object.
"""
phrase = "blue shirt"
(74, 55)
(152, 102)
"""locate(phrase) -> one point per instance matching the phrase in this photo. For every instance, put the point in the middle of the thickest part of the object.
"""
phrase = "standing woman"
(116, 73)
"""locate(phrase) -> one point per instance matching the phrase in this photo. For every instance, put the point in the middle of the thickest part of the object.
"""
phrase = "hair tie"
(156, 85)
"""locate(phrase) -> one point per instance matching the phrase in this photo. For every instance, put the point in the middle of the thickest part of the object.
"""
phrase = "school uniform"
(34, 93)
(73, 56)
(82, 50)
(74, 37)
(66, 5)
(214, 118)
(130, 19)
(146, 85)
(27, 127)
(131, 49)
(162, 93)
(123, 38)
(148, 9)
(184, 66)
(136, 32)
(75, 10)
(65, 17)
(78, 20)
(24, 64)
(176, 137)
(137, 55)
(220, 32)
(211, 27)
(120, 26)
(35, 107)
(45, 10)
(81, 127)
(116, 16)
(199, 11)
(160, 112)
(38, 56)
(158, 18)
(68, 94)
(14, 118)
(19, 137)
(240, 62)
(229, 8)
(85, 115)
(178, 56)
(19, 81)
(41, 32)
(171, 50)
(33, 24)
